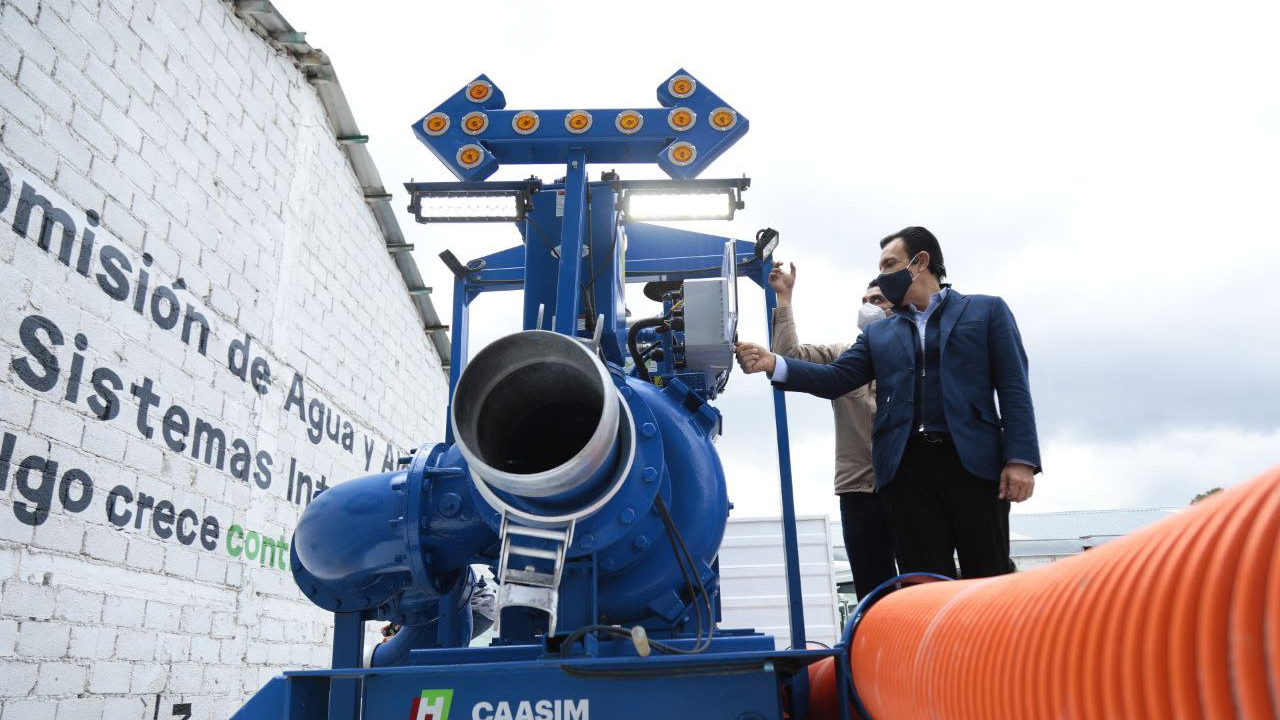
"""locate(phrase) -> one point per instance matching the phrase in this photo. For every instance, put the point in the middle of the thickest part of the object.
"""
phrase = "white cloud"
(1110, 168)
(1181, 463)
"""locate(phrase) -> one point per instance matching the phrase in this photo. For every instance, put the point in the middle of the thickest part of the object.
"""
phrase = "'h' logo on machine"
(433, 705)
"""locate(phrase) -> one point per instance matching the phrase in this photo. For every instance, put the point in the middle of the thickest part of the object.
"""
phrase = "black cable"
(706, 596)
(615, 631)
(588, 309)
(702, 588)
(536, 228)
(567, 644)
(589, 287)
(724, 381)
(807, 643)
(684, 559)
(681, 563)
(632, 333)
(677, 545)
(613, 244)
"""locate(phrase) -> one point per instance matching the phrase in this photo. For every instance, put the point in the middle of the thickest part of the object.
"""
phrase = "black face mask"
(894, 285)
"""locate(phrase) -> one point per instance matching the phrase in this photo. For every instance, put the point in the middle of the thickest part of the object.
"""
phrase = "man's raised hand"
(753, 358)
(782, 282)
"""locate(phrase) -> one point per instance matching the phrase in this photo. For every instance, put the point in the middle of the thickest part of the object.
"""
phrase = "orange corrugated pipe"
(1178, 620)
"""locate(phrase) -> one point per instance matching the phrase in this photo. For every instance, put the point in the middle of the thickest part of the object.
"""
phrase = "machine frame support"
(348, 652)
(568, 297)
(790, 542)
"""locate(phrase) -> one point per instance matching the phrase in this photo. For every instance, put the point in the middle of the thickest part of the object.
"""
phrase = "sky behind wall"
(1112, 169)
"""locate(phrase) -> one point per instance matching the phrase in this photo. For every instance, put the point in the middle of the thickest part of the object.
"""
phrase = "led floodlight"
(715, 204)
(501, 204)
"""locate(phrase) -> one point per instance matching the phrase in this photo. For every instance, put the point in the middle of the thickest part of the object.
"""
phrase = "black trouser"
(938, 510)
(868, 540)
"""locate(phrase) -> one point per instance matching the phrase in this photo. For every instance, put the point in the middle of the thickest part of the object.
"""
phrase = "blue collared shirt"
(922, 318)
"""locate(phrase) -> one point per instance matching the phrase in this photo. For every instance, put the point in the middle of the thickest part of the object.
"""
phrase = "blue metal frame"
(790, 543)
(348, 651)
(572, 235)
(576, 258)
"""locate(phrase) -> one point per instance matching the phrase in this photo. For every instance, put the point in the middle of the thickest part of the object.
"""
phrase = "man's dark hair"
(917, 240)
(874, 282)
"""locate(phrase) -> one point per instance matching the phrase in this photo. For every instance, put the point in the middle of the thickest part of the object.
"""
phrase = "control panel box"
(711, 322)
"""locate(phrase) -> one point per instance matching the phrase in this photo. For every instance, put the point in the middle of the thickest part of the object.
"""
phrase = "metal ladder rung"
(532, 578)
(533, 552)
(543, 533)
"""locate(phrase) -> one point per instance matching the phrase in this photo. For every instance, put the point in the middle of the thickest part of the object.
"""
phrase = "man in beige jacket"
(868, 540)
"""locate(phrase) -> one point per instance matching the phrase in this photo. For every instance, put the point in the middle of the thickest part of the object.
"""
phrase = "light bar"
(469, 206)
(702, 204)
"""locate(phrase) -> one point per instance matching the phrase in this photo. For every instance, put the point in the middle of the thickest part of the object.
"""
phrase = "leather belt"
(931, 437)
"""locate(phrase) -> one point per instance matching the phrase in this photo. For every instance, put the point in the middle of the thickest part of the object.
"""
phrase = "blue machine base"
(728, 685)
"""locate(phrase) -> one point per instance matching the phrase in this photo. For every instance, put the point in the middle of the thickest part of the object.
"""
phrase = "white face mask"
(868, 314)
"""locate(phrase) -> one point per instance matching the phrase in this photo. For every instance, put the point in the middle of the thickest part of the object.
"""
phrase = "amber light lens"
(723, 119)
(577, 121)
(525, 122)
(681, 86)
(681, 119)
(436, 123)
(469, 156)
(682, 153)
(475, 123)
(629, 121)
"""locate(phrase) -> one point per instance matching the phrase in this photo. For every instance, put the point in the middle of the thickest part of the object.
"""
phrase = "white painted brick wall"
(199, 145)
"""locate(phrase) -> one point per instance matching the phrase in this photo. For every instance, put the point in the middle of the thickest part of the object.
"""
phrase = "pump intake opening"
(536, 414)
(537, 418)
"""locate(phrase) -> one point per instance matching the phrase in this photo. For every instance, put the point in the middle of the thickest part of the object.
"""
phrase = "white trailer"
(753, 578)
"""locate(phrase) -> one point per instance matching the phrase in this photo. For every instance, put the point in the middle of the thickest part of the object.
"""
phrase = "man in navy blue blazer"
(946, 462)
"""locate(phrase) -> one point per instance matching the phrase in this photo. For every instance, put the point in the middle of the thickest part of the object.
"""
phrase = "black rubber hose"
(632, 332)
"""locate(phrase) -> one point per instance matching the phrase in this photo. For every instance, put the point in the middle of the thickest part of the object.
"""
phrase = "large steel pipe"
(536, 415)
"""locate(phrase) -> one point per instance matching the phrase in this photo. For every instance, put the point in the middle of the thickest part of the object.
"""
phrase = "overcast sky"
(1112, 169)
